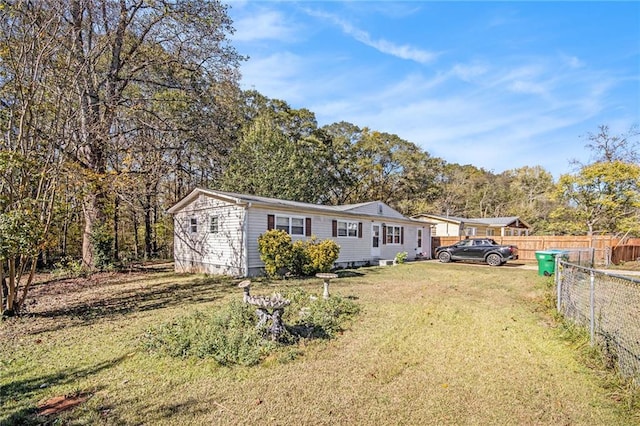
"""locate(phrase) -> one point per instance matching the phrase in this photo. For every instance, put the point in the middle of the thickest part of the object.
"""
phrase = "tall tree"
(32, 119)
(119, 57)
(530, 192)
(274, 160)
(603, 196)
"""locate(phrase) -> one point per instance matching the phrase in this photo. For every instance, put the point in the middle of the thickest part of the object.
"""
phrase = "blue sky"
(499, 85)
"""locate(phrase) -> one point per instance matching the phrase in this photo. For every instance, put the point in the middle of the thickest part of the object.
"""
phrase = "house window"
(213, 224)
(193, 225)
(419, 238)
(490, 232)
(393, 234)
(347, 229)
(290, 225)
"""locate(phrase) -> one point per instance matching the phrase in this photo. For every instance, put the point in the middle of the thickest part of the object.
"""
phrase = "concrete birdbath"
(269, 308)
(326, 277)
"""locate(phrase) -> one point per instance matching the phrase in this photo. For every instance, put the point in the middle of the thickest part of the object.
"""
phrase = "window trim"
(290, 225)
(212, 222)
(349, 228)
(394, 235)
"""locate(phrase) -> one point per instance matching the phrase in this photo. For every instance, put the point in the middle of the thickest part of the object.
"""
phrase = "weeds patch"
(230, 335)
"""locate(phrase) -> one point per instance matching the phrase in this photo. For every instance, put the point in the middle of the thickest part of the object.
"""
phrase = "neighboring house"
(217, 232)
(450, 226)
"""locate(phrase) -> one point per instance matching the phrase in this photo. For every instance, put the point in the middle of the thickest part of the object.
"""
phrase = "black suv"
(480, 249)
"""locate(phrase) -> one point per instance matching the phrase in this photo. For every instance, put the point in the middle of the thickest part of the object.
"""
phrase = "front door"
(375, 241)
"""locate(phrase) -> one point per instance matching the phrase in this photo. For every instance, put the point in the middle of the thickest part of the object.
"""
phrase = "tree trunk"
(155, 235)
(90, 214)
(3, 288)
(136, 242)
(116, 249)
(147, 224)
(9, 307)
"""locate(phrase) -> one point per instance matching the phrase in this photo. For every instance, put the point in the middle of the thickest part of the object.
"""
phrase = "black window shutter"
(384, 235)
(334, 228)
(359, 229)
(271, 222)
(402, 235)
(307, 226)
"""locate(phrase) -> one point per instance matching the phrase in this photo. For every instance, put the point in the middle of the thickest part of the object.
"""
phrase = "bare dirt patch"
(53, 304)
(57, 404)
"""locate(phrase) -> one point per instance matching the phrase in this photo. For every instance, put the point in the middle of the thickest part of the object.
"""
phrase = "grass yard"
(433, 344)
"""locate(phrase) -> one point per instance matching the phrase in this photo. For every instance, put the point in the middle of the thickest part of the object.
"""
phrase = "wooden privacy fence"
(625, 253)
(603, 246)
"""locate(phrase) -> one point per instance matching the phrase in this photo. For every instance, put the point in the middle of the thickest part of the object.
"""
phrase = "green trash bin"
(547, 261)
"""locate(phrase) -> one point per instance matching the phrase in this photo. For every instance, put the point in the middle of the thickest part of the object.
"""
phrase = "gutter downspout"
(245, 239)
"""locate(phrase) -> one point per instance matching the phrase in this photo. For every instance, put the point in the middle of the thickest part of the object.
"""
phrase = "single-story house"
(217, 232)
(450, 226)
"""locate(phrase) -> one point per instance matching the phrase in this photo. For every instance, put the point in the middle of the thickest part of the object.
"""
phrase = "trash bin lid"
(552, 251)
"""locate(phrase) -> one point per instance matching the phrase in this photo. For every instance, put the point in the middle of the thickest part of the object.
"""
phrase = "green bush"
(102, 242)
(68, 267)
(228, 335)
(315, 317)
(401, 257)
(276, 251)
(300, 262)
(322, 255)
(302, 257)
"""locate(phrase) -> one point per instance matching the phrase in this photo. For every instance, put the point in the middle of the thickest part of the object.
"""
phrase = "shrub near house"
(279, 254)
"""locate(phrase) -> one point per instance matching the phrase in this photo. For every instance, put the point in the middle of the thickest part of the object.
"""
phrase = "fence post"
(592, 320)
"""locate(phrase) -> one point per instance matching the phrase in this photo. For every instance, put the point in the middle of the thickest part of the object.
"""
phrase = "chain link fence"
(609, 305)
(580, 256)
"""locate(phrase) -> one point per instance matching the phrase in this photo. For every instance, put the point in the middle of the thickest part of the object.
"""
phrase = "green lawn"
(433, 344)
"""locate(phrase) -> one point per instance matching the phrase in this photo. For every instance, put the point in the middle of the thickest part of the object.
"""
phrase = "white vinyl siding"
(234, 247)
(218, 252)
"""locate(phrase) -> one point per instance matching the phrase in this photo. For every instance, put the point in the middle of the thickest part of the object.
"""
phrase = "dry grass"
(434, 344)
(632, 265)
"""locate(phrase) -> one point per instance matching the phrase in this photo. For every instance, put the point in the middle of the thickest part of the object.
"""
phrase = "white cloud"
(384, 46)
(267, 25)
(469, 73)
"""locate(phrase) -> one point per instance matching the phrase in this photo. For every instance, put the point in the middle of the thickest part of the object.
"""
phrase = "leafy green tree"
(460, 189)
(276, 159)
(603, 197)
(32, 124)
(367, 165)
(113, 60)
(530, 192)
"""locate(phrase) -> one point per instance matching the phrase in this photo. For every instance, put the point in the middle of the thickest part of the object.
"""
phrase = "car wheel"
(444, 257)
(494, 260)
